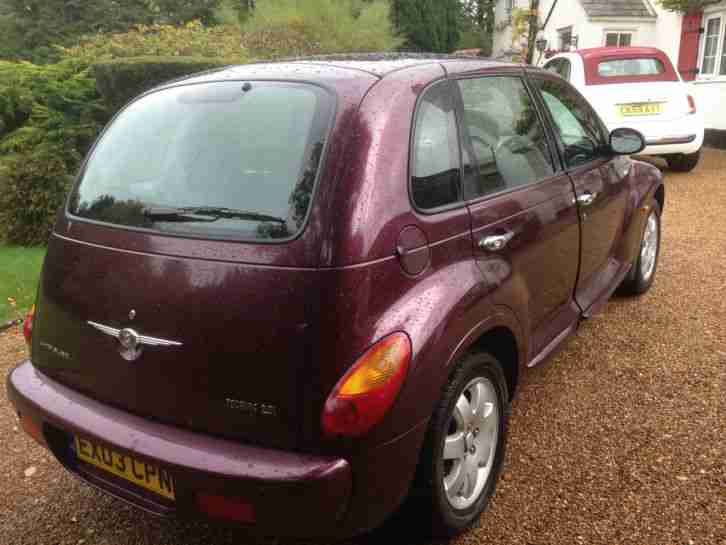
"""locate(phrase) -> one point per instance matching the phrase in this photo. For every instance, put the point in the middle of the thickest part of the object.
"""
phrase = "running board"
(598, 305)
(552, 346)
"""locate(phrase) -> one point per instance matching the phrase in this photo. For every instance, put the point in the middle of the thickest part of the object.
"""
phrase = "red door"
(688, 53)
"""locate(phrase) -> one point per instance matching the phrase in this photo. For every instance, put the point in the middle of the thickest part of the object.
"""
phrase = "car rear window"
(220, 160)
(630, 67)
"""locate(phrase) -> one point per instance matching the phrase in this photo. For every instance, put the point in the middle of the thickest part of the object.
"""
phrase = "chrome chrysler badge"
(131, 342)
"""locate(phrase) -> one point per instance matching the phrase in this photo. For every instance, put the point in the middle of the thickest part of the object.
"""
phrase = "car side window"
(507, 138)
(579, 129)
(561, 67)
(436, 179)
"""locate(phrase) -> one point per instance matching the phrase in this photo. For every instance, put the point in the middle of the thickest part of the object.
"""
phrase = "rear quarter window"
(436, 169)
(216, 160)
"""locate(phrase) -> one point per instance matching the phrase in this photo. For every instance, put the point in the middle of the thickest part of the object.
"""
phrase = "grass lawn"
(19, 271)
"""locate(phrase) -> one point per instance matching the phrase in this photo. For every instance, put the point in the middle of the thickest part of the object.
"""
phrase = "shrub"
(120, 80)
(190, 40)
(50, 115)
(281, 28)
(32, 189)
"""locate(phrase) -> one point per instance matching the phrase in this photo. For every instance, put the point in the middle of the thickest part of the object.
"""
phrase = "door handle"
(494, 243)
(587, 198)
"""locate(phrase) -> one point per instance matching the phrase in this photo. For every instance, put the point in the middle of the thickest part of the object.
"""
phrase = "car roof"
(595, 53)
(325, 68)
(382, 64)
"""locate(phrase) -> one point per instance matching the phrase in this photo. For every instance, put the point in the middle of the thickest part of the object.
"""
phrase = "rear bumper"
(312, 493)
(683, 135)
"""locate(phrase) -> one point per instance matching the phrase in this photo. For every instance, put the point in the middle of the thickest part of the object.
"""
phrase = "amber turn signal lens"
(365, 394)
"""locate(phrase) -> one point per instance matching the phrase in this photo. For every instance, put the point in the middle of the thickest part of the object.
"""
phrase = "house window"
(713, 60)
(618, 39)
(565, 38)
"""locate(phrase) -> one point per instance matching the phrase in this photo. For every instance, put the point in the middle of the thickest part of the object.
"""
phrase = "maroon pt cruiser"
(306, 291)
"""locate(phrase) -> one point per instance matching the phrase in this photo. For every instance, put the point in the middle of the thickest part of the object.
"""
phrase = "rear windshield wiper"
(207, 213)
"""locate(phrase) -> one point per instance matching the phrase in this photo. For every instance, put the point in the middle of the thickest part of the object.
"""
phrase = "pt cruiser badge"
(131, 342)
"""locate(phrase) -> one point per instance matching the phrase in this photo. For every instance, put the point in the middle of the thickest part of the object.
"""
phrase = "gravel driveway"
(619, 440)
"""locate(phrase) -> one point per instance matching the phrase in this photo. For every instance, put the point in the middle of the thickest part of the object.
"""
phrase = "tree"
(477, 27)
(686, 6)
(429, 25)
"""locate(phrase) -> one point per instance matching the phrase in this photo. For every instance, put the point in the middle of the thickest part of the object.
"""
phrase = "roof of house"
(618, 8)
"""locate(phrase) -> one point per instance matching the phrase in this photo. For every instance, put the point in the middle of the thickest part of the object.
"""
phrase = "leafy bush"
(32, 189)
(281, 28)
(191, 40)
(120, 80)
(51, 115)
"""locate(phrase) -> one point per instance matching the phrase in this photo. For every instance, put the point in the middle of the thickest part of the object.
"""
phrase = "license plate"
(640, 108)
(143, 474)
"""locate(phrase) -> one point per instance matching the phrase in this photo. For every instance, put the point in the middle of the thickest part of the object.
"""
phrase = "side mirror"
(626, 141)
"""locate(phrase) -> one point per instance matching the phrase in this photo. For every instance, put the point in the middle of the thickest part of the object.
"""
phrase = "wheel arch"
(502, 337)
(501, 343)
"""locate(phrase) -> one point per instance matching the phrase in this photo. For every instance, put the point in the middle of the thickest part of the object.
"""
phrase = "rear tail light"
(691, 104)
(28, 326)
(365, 394)
(226, 508)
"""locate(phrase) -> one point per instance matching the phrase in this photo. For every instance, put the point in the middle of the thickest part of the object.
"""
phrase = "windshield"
(221, 160)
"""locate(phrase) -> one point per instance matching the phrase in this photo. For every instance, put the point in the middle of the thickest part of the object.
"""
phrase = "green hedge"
(120, 80)
(49, 116)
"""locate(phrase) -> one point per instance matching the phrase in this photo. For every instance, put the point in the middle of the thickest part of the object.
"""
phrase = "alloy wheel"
(649, 247)
(471, 443)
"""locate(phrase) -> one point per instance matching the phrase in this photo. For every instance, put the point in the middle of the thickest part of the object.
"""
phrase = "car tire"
(683, 162)
(642, 274)
(482, 435)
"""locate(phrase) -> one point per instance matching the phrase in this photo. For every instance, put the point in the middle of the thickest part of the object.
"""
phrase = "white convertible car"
(638, 87)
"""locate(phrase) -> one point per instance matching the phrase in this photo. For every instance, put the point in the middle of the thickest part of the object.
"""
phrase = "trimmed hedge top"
(118, 81)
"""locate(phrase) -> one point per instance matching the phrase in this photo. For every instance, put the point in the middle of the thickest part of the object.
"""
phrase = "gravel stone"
(620, 439)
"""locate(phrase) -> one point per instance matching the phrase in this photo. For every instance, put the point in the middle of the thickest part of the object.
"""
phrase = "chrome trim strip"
(143, 339)
(672, 140)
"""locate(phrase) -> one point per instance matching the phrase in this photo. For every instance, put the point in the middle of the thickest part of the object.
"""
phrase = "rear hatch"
(636, 90)
(179, 285)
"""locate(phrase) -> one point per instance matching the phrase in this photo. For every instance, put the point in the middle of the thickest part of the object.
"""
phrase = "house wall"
(710, 92)
(657, 32)
(566, 13)
(667, 35)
